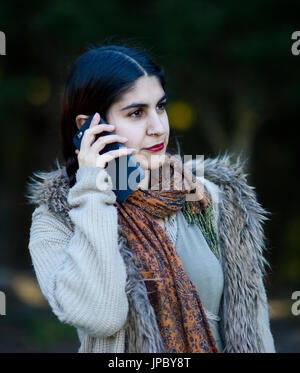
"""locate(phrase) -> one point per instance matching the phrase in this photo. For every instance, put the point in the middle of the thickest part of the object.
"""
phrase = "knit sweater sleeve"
(82, 273)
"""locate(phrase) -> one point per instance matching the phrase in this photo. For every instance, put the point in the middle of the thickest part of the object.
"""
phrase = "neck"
(144, 184)
(149, 179)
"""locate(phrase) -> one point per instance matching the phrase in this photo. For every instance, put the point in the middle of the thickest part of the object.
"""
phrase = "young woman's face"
(141, 117)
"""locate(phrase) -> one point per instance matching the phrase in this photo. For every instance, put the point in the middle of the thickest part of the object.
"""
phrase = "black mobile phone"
(125, 172)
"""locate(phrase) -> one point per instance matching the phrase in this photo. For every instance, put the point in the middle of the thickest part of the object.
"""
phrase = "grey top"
(203, 269)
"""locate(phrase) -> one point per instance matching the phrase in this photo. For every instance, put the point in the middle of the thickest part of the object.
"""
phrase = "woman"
(160, 272)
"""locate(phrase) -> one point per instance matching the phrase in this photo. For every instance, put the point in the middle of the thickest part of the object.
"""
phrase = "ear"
(80, 119)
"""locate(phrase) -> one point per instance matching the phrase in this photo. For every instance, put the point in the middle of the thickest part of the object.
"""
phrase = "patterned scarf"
(178, 309)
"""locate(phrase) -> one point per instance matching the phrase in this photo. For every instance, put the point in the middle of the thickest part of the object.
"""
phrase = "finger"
(100, 143)
(113, 154)
(100, 128)
(95, 120)
(89, 134)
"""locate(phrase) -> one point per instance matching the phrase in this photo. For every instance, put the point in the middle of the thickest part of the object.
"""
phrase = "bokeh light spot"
(181, 115)
(39, 91)
(28, 291)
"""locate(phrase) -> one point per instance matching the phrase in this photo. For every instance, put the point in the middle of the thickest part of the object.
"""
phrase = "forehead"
(146, 89)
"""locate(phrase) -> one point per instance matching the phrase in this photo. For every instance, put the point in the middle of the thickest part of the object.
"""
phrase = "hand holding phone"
(94, 152)
(99, 145)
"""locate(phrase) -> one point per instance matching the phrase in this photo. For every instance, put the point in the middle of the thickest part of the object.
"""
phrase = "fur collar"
(241, 245)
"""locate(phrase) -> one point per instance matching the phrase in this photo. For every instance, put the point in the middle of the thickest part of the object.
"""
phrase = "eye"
(135, 112)
(162, 105)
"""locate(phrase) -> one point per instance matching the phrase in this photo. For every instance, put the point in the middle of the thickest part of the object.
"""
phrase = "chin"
(150, 162)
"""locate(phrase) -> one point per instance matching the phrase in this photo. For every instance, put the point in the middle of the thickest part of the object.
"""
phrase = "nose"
(155, 125)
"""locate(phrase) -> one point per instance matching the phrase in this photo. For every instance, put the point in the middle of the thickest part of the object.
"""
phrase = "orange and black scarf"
(178, 309)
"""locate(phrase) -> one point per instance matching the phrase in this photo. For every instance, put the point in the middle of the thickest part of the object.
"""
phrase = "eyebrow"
(138, 104)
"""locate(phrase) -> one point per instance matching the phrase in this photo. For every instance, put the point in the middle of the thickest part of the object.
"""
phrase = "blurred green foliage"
(48, 333)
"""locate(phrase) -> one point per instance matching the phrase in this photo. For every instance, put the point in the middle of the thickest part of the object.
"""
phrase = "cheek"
(167, 127)
(167, 122)
(122, 128)
(134, 135)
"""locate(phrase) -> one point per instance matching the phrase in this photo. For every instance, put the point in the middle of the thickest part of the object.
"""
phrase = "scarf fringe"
(205, 222)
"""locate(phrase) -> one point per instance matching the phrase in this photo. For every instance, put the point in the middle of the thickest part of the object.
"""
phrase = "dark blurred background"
(233, 85)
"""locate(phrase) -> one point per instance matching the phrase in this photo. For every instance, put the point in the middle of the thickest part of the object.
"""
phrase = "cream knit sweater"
(82, 275)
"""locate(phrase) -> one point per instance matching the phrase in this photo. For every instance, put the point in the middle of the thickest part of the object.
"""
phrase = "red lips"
(156, 148)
